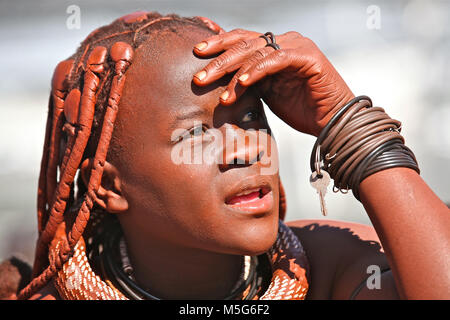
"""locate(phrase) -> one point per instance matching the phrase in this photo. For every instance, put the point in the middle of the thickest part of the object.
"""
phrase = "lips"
(253, 195)
(248, 196)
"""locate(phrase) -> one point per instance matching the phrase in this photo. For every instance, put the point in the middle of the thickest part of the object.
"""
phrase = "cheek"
(181, 193)
(191, 187)
(172, 202)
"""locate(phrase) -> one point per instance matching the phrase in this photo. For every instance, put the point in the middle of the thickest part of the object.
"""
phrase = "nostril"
(234, 162)
(242, 156)
(237, 162)
(259, 156)
(247, 159)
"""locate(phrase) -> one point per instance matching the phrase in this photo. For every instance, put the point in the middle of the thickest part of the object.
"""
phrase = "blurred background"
(397, 52)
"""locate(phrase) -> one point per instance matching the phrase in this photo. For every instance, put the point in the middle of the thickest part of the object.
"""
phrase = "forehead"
(158, 85)
(161, 73)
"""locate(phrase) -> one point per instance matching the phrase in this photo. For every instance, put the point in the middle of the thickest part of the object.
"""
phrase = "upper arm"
(364, 275)
(342, 256)
(385, 289)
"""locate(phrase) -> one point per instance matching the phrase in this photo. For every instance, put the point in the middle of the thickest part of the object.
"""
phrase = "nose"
(242, 148)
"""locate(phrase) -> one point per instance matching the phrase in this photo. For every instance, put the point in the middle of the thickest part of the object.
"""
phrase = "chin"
(256, 237)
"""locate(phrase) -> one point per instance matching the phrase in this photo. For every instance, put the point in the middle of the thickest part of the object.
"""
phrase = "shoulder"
(334, 227)
(338, 237)
(342, 256)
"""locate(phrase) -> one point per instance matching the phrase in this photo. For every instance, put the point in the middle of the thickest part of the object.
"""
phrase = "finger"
(234, 57)
(229, 96)
(306, 59)
(221, 42)
(211, 25)
(234, 90)
(273, 63)
(229, 61)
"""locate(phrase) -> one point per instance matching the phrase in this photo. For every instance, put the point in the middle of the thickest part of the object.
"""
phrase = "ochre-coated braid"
(59, 91)
(211, 25)
(47, 177)
(71, 110)
(122, 54)
(91, 81)
(42, 183)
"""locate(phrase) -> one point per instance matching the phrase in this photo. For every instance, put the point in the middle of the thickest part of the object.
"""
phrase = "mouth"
(251, 199)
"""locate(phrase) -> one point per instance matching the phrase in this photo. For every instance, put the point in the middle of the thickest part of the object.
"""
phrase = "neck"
(168, 271)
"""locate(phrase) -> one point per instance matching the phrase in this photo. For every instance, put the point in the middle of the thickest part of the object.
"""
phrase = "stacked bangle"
(359, 141)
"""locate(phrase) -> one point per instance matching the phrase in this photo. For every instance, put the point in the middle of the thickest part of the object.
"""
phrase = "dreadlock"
(83, 105)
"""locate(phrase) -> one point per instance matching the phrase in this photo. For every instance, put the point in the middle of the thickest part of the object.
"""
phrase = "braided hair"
(83, 105)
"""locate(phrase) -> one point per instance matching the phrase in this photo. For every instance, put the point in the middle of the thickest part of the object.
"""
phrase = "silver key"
(320, 184)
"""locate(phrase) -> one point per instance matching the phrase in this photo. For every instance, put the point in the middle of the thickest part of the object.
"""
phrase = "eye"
(251, 115)
(197, 131)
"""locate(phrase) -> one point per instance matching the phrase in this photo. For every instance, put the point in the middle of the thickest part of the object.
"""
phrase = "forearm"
(414, 227)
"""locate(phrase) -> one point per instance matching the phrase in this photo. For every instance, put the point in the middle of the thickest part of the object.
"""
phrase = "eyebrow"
(188, 113)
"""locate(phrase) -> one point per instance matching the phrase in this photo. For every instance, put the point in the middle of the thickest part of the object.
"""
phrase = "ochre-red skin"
(302, 87)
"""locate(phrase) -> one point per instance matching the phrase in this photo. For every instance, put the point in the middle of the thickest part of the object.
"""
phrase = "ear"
(109, 193)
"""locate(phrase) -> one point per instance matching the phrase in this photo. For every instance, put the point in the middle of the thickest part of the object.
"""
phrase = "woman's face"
(205, 205)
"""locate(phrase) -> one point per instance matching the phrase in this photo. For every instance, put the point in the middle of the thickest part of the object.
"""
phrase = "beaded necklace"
(78, 281)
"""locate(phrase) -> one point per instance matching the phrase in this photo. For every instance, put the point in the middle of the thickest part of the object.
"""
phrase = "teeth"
(247, 192)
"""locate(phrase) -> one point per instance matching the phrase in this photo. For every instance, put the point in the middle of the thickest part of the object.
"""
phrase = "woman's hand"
(297, 82)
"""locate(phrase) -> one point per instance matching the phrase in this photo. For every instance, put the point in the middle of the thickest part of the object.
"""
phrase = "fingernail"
(243, 77)
(201, 46)
(224, 96)
(200, 75)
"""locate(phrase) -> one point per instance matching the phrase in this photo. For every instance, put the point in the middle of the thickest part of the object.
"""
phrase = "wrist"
(345, 98)
(358, 141)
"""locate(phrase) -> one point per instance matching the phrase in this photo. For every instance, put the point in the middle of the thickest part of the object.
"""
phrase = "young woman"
(119, 219)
